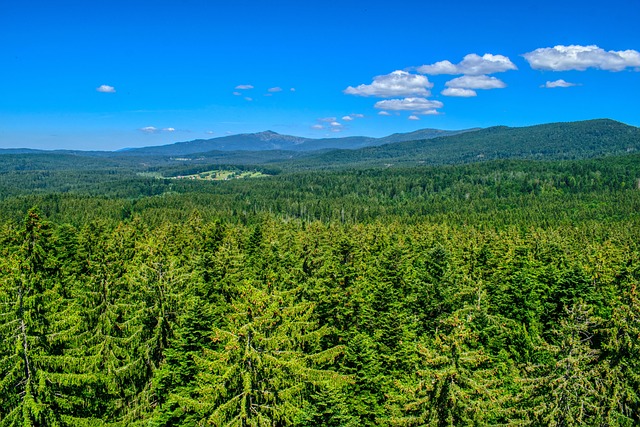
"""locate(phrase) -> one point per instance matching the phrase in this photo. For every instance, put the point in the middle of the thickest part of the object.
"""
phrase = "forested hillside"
(500, 292)
(555, 141)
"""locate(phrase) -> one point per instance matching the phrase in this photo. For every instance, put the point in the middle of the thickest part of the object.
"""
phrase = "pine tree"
(160, 278)
(111, 321)
(565, 389)
(32, 366)
(264, 364)
(622, 352)
(457, 380)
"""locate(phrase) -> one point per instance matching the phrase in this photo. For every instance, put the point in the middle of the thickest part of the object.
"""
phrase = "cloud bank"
(580, 58)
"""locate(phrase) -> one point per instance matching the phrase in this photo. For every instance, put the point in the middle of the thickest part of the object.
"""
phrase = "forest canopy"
(501, 292)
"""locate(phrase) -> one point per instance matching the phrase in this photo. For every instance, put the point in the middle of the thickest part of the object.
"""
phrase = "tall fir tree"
(565, 387)
(622, 351)
(36, 327)
(264, 364)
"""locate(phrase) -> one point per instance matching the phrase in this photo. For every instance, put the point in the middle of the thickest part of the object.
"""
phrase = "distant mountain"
(269, 140)
(554, 141)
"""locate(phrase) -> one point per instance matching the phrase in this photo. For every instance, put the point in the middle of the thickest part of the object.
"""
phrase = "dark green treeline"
(281, 321)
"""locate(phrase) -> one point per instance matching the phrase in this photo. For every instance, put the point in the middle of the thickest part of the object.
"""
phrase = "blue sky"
(113, 74)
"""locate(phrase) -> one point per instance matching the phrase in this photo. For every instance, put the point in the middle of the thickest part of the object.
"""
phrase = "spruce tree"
(34, 385)
(622, 352)
(111, 321)
(457, 380)
(565, 388)
(264, 364)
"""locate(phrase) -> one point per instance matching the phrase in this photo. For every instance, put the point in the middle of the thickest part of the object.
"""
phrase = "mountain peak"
(270, 140)
(266, 133)
(276, 138)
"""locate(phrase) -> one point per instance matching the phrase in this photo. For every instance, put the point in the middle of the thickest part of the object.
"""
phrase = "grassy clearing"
(222, 175)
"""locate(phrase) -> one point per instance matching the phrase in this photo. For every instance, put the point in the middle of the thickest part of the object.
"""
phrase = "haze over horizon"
(110, 75)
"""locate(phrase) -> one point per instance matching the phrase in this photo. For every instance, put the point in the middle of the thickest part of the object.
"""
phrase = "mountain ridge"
(550, 141)
(270, 140)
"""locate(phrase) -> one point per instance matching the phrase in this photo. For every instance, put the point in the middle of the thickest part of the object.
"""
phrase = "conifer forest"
(496, 290)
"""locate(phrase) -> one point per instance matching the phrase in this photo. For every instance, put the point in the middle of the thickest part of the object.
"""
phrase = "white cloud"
(106, 89)
(336, 124)
(384, 113)
(210, 132)
(429, 113)
(352, 117)
(575, 57)
(476, 82)
(416, 105)
(153, 129)
(558, 83)
(247, 98)
(398, 83)
(244, 87)
(293, 89)
(327, 119)
(414, 118)
(237, 93)
(317, 127)
(472, 65)
(274, 89)
(441, 67)
(459, 92)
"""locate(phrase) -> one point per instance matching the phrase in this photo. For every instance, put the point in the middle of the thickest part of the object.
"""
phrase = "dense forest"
(501, 292)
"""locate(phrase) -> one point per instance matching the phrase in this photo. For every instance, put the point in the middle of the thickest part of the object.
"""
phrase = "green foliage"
(565, 389)
(263, 363)
(496, 293)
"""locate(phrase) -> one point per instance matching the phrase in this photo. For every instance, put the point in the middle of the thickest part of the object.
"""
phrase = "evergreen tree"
(622, 351)
(158, 278)
(264, 364)
(112, 321)
(457, 381)
(565, 388)
(32, 366)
